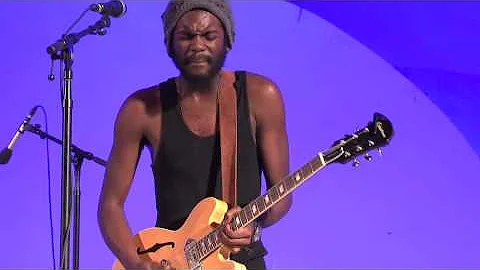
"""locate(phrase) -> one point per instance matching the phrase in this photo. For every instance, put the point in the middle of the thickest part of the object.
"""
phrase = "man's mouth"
(198, 60)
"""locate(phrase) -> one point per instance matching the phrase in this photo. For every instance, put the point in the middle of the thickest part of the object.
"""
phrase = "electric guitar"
(196, 245)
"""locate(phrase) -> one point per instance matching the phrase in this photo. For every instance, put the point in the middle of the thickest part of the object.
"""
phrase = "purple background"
(336, 63)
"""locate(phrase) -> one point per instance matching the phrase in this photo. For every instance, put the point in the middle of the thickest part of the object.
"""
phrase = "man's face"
(198, 45)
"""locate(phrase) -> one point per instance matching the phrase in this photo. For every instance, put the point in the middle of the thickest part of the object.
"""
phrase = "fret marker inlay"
(237, 221)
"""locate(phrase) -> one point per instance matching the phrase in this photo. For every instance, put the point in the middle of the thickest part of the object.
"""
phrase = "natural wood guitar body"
(203, 219)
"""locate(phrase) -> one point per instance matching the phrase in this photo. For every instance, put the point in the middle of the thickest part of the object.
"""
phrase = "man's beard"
(215, 64)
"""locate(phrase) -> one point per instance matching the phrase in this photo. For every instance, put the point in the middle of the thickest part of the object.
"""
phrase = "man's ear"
(225, 41)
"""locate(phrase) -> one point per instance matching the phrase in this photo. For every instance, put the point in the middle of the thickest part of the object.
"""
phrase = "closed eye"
(209, 35)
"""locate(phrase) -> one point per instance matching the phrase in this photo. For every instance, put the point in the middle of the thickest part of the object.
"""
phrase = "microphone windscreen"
(5, 155)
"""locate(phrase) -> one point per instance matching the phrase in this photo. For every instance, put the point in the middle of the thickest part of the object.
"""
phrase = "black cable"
(69, 214)
(63, 246)
(76, 21)
(49, 176)
(63, 241)
(61, 83)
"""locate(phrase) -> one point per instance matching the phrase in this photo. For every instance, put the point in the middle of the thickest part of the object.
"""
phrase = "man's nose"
(197, 42)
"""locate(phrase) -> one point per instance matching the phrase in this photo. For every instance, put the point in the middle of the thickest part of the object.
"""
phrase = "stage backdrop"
(414, 207)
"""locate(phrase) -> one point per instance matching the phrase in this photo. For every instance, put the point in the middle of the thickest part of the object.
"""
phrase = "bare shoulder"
(262, 85)
(145, 101)
(138, 109)
(264, 95)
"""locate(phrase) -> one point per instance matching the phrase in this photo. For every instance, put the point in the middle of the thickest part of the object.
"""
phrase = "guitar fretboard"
(260, 205)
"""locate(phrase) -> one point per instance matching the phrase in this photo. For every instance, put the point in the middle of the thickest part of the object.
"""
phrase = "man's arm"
(272, 140)
(118, 178)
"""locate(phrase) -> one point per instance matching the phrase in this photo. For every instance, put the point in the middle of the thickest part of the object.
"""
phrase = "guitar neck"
(261, 204)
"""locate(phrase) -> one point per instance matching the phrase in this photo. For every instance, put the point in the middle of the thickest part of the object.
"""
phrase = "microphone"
(115, 8)
(7, 152)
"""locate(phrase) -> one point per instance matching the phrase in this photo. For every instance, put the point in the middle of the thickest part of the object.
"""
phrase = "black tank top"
(186, 168)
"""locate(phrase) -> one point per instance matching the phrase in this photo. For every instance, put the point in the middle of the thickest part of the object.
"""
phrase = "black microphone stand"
(62, 50)
(77, 159)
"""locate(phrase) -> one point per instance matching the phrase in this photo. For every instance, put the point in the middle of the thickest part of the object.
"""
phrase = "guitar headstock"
(375, 135)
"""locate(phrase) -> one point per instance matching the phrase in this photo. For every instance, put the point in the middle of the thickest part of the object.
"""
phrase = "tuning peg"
(380, 151)
(368, 157)
(370, 143)
(102, 32)
(356, 163)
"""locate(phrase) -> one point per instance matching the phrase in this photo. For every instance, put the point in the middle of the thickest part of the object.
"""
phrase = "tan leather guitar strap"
(228, 137)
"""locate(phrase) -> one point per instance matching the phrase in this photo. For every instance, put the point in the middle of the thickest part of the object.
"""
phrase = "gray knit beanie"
(177, 8)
